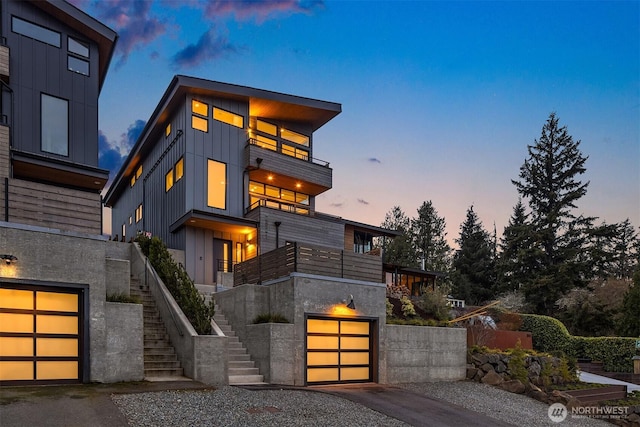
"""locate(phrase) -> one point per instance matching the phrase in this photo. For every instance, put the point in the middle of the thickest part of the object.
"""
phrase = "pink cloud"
(245, 9)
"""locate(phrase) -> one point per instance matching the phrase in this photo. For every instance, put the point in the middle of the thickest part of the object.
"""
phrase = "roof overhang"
(216, 222)
(46, 169)
(93, 29)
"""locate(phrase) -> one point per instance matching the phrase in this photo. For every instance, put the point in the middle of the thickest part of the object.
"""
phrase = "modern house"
(55, 266)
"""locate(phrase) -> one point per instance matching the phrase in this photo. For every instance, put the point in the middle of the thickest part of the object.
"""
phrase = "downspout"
(277, 223)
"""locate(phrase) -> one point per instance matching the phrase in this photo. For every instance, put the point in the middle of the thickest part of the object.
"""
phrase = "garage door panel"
(322, 326)
(15, 346)
(354, 343)
(54, 301)
(360, 328)
(14, 298)
(52, 324)
(322, 374)
(11, 371)
(354, 374)
(57, 347)
(13, 322)
(320, 343)
(323, 358)
(56, 370)
(357, 358)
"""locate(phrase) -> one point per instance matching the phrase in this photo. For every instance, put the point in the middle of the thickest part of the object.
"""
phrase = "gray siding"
(36, 68)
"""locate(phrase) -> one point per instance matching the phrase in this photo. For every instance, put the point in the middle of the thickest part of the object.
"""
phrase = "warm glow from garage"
(341, 310)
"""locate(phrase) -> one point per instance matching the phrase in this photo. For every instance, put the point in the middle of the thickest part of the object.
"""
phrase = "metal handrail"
(257, 143)
(158, 280)
(292, 207)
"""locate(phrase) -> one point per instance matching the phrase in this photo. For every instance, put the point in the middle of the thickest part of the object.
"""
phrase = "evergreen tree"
(630, 320)
(625, 247)
(473, 267)
(428, 237)
(399, 250)
(549, 181)
(516, 260)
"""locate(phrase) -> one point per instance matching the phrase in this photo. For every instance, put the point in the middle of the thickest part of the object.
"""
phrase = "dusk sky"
(439, 99)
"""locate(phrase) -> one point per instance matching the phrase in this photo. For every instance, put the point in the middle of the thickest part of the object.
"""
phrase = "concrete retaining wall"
(423, 353)
(125, 342)
(271, 346)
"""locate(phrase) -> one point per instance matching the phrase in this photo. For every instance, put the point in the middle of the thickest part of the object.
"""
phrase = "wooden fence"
(309, 259)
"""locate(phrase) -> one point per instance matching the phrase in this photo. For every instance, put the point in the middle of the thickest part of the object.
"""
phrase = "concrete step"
(160, 358)
(246, 379)
(162, 372)
(239, 357)
(242, 371)
(233, 364)
(156, 344)
(161, 364)
(159, 351)
(236, 351)
(234, 345)
(156, 337)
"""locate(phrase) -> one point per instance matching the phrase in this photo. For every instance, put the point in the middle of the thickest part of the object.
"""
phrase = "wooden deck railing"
(309, 259)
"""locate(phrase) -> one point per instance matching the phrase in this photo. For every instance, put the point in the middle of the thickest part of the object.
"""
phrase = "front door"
(222, 258)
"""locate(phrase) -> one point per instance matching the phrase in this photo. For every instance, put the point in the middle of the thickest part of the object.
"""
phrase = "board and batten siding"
(37, 68)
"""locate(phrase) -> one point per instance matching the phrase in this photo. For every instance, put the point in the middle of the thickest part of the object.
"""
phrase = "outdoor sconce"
(351, 304)
(8, 259)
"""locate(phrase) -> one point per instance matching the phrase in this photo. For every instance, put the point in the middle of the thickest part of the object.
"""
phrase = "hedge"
(550, 335)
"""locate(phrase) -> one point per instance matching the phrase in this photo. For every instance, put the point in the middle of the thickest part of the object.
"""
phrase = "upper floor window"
(266, 127)
(167, 130)
(54, 125)
(362, 242)
(216, 184)
(228, 117)
(296, 137)
(200, 112)
(179, 169)
(76, 61)
(136, 175)
(35, 31)
(168, 180)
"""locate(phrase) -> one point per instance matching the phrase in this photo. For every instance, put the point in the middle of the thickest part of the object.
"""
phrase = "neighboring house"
(56, 268)
(226, 172)
(53, 61)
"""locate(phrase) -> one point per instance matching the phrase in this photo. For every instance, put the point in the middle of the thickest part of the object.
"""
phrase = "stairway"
(242, 370)
(160, 358)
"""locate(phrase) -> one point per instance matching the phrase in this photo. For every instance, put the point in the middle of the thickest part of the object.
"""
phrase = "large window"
(277, 198)
(216, 184)
(36, 32)
(199, 119)
(54, 125)
(267, 127)
(294, 137)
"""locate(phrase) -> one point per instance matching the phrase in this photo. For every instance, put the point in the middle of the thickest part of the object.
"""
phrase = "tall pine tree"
(549, 181)
(473, 273)
(399, 250)
(428, 237)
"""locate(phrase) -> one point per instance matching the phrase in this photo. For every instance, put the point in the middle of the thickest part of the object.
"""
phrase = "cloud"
(133, 22)
(111, 154)
(374, 160)
(209, 46)
(363, 202)
(261, 10)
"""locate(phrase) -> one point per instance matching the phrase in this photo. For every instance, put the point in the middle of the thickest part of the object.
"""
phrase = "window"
(267, 127)
(130, 220)
(77, 49)
(362, 242)
(268, 143)
(139, 172)
(278, 198)
(294, 137)
(228, 118)
(54, 125)
(34, 31)
(167, 130)
(292, 151)
(199, 108)
(168, 180)
(133, 180)
(179, 169)
(216, 184)
(124, 229)
(199, 123)
(139, 213)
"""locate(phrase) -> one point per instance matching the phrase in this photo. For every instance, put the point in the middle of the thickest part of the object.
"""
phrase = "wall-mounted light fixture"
(351, 304)
(8, 259)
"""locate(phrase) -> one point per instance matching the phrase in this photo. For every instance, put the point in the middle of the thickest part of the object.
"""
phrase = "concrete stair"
(160, 358)
(242, 370)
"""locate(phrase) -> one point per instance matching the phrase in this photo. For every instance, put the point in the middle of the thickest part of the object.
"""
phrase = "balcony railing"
(308, 259)
(278, 149)
(279, 204)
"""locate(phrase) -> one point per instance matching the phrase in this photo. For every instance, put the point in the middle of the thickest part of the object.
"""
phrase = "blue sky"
(440, 99)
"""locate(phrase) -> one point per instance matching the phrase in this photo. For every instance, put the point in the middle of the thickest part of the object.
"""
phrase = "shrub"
(434, 303)
(407, 307)
(178, 283)
(122, 297)
(270, 318)
(548, 334)
(517, 369)
(389, 308)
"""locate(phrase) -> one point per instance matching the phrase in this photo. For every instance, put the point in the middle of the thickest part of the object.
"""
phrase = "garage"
(41, 334)
(339, 350)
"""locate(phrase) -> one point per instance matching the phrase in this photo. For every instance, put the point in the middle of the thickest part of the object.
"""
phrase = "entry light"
(8, 259)
(351, 304)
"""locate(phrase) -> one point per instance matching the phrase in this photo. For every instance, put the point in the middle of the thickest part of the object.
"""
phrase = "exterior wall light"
(351, 304)
(8, 259)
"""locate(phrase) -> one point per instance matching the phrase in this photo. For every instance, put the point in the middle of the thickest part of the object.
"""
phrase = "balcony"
(308, 259)
(268, 164)
(4, 61)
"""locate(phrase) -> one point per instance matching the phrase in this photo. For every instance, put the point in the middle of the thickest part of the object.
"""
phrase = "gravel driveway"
(234, 406)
